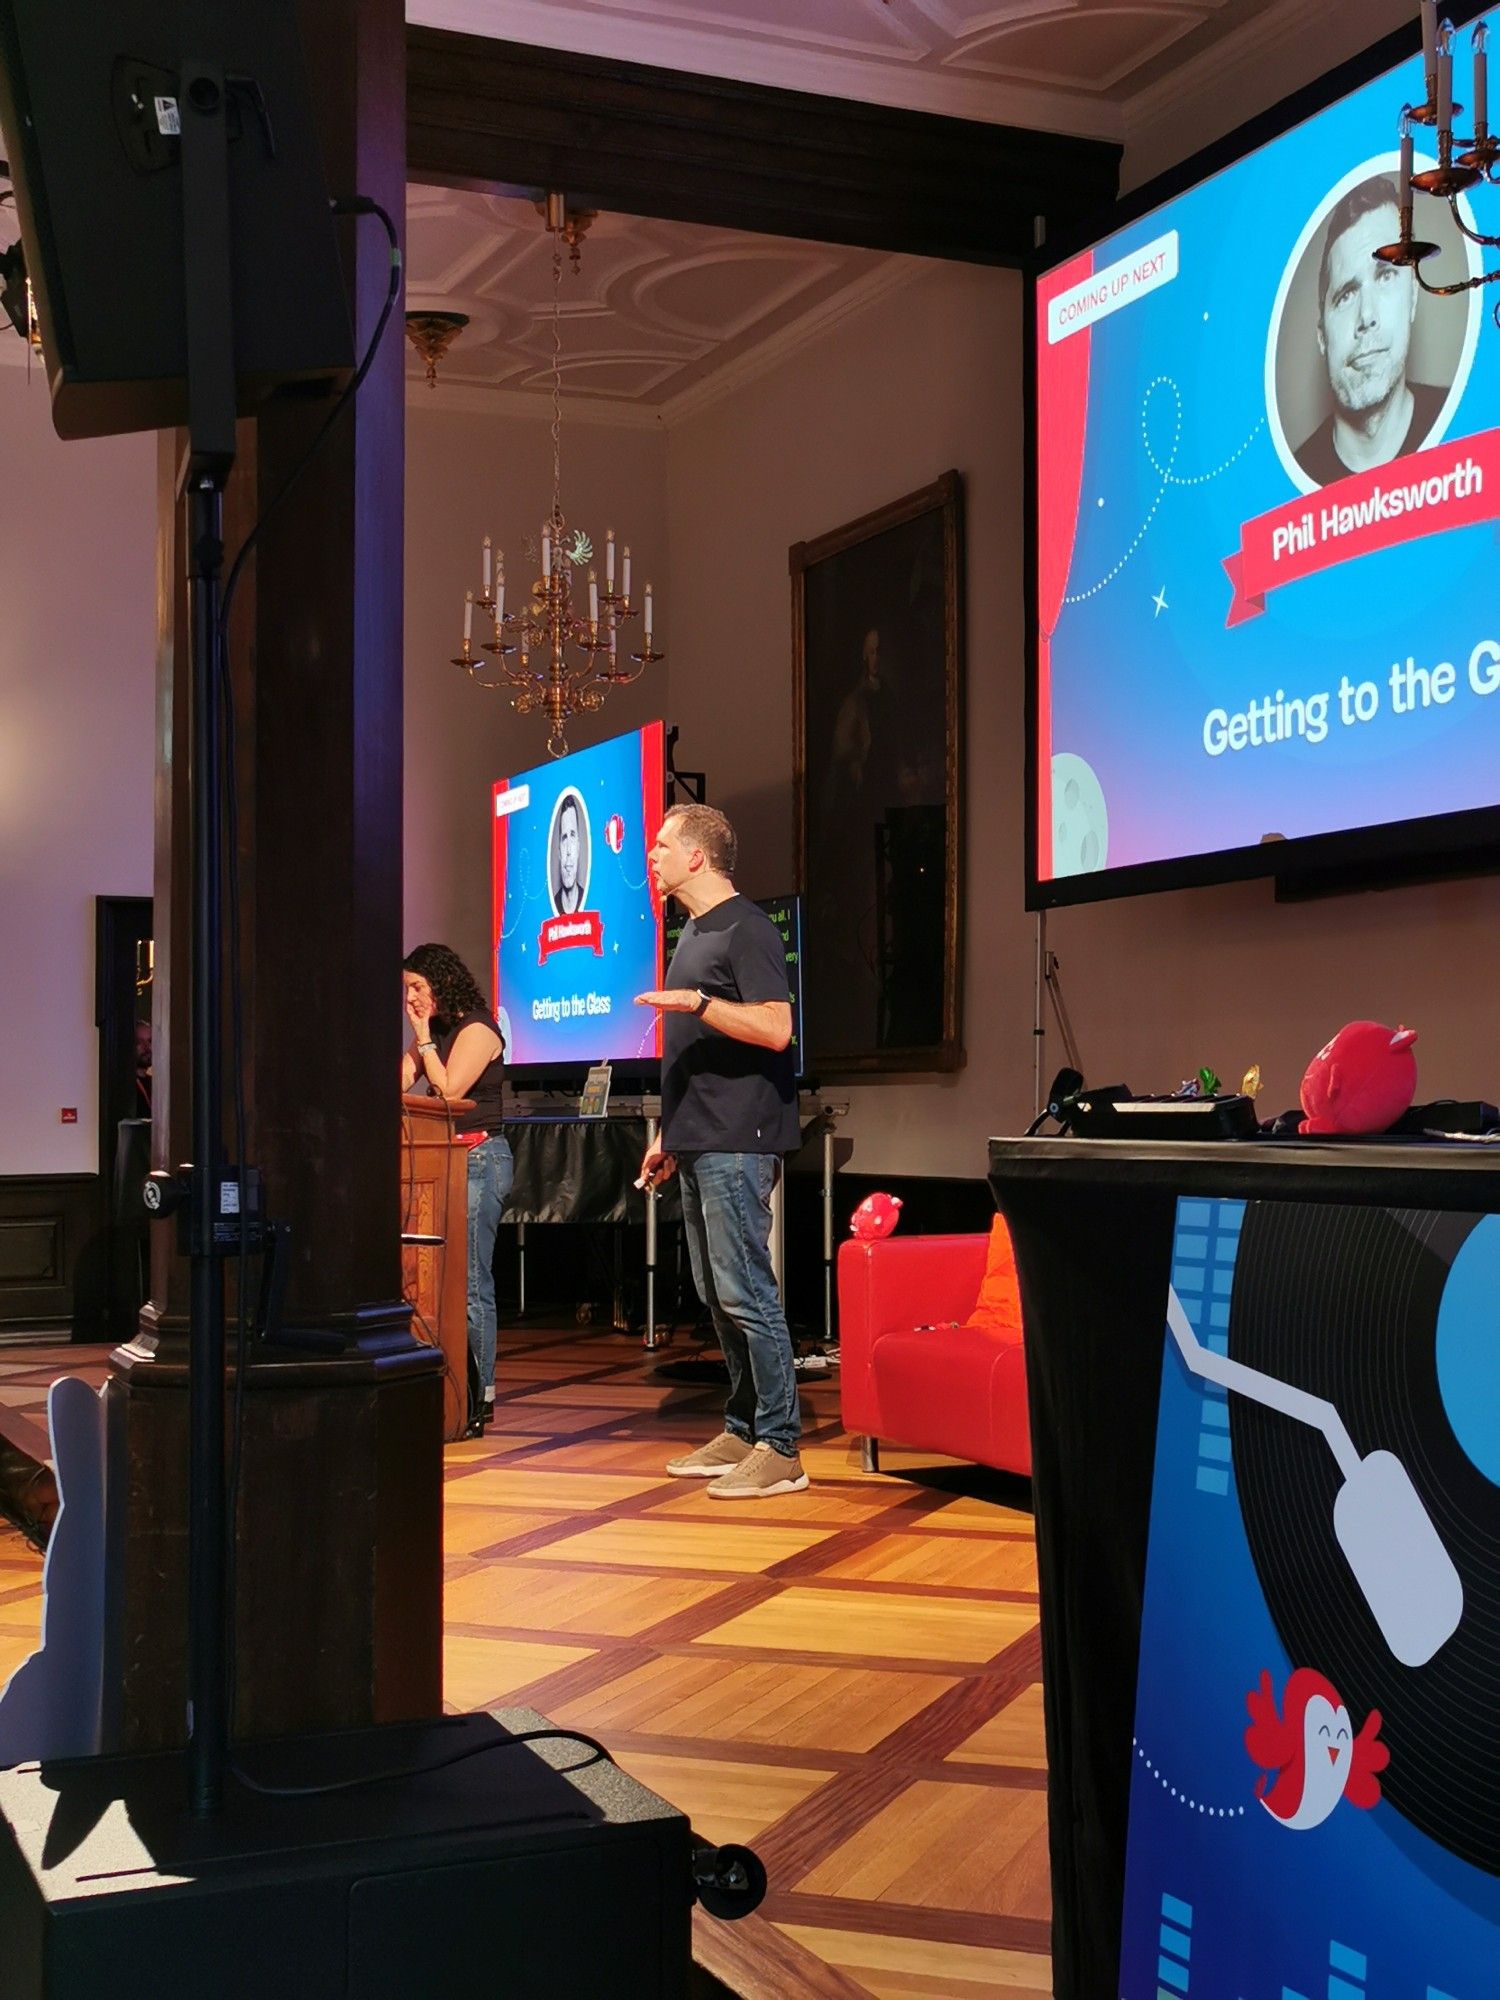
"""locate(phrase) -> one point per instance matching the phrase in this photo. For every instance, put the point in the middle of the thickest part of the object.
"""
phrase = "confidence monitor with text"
(1266, 488)
(577, 924)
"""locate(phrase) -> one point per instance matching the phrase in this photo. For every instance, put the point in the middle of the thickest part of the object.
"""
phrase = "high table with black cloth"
(572, 1169)
(1092, 1223)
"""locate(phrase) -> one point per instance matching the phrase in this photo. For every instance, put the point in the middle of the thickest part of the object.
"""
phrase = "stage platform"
(845, 1679)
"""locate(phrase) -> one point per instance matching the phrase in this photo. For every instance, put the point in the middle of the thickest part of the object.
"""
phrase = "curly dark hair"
(453, 985)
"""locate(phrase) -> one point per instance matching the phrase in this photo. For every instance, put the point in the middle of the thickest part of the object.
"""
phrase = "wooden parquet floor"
(846, 1679)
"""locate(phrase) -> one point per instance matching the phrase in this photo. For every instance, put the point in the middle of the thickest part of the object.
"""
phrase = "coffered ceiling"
(1067, 65)
(658, 317)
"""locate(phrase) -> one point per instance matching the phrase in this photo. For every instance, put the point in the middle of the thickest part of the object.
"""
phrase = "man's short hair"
(706, 827)
(1364, 198)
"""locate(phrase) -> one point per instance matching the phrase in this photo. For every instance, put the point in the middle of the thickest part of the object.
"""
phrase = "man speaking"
(1365, 313)
(728, 1115)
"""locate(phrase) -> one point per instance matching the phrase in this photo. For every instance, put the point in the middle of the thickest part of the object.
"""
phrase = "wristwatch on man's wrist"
(702, 1006)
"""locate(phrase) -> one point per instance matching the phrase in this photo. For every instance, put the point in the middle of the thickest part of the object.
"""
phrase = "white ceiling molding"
(893, 274)
(1256, 63)
(1124, 70)
(887, 276)
(906, 81)
(655, 310)
(477, 400)
(1073, 41)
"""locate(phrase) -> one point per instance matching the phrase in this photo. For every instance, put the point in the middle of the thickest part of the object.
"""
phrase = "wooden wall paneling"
(50, 1243)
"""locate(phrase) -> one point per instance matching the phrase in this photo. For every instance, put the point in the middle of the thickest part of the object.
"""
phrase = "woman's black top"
(488, 1088)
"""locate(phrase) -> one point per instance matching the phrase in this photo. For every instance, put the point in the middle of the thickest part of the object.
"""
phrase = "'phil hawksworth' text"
(1383, 503)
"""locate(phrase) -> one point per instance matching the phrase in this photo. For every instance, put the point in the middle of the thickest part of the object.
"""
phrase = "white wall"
(77, 652)
(468, 475)
(928, 378)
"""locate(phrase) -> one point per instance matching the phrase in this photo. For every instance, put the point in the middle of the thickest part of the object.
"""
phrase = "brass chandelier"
(1461, 163)
(557, 655)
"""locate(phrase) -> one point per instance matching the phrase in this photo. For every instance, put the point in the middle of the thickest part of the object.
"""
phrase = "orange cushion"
(997, 1310)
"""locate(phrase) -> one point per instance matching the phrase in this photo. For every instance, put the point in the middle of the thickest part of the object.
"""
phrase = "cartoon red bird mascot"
(1312, 1750)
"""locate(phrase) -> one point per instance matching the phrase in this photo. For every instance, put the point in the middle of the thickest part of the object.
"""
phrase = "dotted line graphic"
(1189, 1804)
(528, 895)
(1165, 474)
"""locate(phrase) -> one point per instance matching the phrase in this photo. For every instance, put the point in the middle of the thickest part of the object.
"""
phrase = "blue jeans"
(726, 1214)
(491, 1171)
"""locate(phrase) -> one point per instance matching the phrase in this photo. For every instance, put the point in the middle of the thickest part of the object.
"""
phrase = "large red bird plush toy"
(1361, 1081)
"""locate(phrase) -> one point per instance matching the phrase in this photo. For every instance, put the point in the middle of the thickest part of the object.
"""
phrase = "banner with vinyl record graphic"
(1315, 1786)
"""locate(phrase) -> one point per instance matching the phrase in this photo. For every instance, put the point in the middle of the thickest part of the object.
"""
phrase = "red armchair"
(959, 1390)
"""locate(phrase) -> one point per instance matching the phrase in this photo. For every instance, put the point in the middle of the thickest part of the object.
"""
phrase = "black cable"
(357, 205)
(438, 1764)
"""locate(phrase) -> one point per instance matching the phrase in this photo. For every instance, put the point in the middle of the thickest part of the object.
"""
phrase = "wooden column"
(339, 1597)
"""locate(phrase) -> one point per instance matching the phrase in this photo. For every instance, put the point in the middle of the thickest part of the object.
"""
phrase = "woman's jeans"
(726, 1213)
(491, 1171)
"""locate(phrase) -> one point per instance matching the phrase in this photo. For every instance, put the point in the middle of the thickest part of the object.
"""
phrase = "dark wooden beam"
(499, 115)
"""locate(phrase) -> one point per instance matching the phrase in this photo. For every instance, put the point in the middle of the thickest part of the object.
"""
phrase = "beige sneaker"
(762, 1472)
(712, 1460)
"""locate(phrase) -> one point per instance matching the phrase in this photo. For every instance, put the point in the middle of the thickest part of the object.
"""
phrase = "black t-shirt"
(1319, 457)
(487, 1089)
(719, 1095)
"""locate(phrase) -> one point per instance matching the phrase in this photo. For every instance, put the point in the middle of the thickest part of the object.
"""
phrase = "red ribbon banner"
(1452, 485)
(571, 934)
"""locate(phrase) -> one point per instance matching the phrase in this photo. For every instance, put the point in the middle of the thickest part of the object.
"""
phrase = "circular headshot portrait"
(568, 849)
(1362, 366)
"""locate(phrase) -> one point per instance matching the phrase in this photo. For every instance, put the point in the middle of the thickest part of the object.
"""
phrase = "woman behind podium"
(458, 1051)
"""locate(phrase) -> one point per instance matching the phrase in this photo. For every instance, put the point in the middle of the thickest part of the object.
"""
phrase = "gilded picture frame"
(878, 685)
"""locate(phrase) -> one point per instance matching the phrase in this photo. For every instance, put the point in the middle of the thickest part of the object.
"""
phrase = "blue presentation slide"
(1268, 481)
(577, 924)
(1314, 1807)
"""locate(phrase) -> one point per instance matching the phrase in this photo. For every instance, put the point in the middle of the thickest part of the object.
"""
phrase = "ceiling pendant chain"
(552, 654)
(557, 512)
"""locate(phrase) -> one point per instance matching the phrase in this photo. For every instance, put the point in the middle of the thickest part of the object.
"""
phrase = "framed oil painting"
(877, 649)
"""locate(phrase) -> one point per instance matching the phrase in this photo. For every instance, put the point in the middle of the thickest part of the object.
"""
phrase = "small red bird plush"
(876, 1216)
(1312, 1750)
(1361, 1081)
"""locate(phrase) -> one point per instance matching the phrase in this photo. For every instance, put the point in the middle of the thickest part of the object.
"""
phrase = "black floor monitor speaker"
(506, 1874)
(91, 120)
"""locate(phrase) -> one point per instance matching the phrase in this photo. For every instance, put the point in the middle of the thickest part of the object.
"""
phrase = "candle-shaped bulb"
(499, 598)
(648, 618)
(1407, 165)
(488, 558)
(468, 616)
(1429, 44)
(1481, 80)
(609, 561)
(1445, 82)
(625, 579)
(593, 598)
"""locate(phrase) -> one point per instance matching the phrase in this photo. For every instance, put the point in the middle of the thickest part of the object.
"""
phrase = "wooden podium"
(435, 1276)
